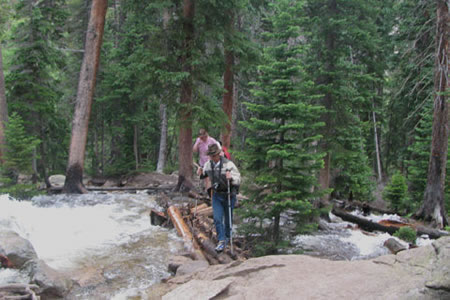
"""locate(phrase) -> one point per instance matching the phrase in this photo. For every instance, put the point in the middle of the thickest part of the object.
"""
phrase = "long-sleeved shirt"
(202, 148)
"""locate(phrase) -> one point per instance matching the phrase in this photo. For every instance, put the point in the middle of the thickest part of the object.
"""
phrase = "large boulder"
(52, 284)
(420, 273)
(17, 249)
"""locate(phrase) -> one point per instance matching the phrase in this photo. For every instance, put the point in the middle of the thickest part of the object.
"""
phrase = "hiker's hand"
(228, 175)
(199, 171)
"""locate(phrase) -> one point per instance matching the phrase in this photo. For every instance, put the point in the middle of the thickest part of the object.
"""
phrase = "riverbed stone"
(420, 273)
(176, 261)
(57, 180)
(52, 283)
(16, 248)
(192, 267)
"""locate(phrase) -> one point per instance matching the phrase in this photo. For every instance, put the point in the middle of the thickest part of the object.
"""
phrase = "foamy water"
(109, 232)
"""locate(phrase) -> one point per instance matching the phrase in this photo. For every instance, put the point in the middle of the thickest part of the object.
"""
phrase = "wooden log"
(198, 208)
(363, 223)
(206, 224)
(391, 228)
(208, 212)
(183, 230)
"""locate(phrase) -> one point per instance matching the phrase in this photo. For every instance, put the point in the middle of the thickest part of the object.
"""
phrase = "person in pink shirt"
(201, 146)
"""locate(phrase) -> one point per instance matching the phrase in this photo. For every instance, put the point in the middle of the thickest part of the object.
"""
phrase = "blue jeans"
(221, 214)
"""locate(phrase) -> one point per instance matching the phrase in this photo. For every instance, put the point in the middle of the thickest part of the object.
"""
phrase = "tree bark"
(432, 209)
(377, 146)
(136, 145)
(185, 113)
(184, 231)
(228, 80)
(85, 94)
(3, 107)
(163, 139)
(327, 80)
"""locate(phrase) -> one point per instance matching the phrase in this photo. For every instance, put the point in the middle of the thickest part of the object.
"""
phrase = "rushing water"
(105, 241)
(341, 240)
(107, 244)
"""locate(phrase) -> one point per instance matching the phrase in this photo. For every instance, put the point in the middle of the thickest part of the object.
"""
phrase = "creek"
(107, 241)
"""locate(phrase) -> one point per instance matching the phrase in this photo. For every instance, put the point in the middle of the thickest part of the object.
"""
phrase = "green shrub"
(407, 234)
(396, 193)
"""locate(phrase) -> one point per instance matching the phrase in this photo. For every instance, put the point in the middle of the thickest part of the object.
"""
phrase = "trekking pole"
(230, 218)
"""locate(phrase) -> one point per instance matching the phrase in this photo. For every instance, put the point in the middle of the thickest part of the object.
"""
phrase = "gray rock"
(52, 284)
(394, 246)
(192, 267)
(17, 249)
(420, 273)
(57, 180)
(176, 261)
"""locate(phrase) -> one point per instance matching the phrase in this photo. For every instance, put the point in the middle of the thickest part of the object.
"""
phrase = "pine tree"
(281, 155)
(19, 148)
(33, 80)
(343, 41)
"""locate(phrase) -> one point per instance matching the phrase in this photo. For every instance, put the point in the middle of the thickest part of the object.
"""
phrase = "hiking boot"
(220, 246)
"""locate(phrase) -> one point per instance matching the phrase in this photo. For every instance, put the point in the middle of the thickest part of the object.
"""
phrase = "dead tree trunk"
(432, 209)
(185, 137)
(228, 80)
(3, 107)
(85, 94)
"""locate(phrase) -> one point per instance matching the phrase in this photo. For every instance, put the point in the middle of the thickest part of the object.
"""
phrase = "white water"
(344, 242)
(71, 233)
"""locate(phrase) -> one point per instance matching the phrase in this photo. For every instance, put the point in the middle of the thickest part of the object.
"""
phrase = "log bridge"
(194, 223)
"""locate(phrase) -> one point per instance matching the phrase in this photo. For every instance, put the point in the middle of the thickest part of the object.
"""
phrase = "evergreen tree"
(33, 81)
(396, 192)
(411, 83)
(280, 155)
(417, 165)
(19, 148)
(343, 38)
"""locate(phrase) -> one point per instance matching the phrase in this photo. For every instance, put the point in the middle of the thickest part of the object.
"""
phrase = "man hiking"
(225, 180)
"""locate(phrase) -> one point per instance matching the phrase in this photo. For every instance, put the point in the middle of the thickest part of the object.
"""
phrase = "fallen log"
(18, 291)
(363, 223)
(208, 212)
(198, 208)
(183, 230)
(390, 227)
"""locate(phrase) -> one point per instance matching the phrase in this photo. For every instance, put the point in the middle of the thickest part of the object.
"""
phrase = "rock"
(192, 267)
(24, 179)
(57, 180)
(17, 249)
(52, 284)
(176, 261)
(420, 273)
(196, 290)
(394, 245)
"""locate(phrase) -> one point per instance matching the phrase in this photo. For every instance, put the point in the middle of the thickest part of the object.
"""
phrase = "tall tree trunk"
(185, 137)
(377, 146)
(432, 209)
(327, 80)
(162, 156)
(163, 139)
(228, 80)
(3, 107)
(136, 145)
(85, 94)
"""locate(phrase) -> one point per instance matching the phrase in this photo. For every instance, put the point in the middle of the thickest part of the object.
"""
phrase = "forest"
(316, 99)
